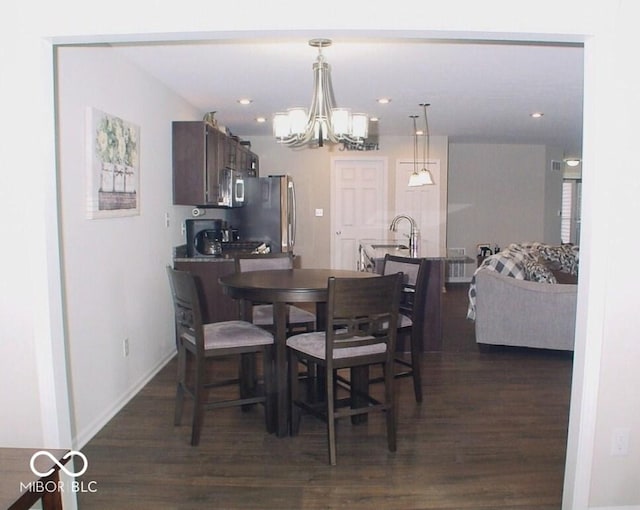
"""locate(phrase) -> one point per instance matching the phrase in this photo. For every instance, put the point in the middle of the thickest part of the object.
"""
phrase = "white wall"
(31, 332)
(607, 315)
(115, 282)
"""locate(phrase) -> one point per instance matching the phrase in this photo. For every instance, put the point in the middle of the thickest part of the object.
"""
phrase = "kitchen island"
(371, 253)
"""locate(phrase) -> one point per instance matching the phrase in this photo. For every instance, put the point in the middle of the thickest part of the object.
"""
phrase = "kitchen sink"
(395, 246)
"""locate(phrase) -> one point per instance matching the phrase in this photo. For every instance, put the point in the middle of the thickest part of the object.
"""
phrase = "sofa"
(526, 296)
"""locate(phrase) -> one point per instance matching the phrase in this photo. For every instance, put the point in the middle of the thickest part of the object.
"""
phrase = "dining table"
(30, 475)
(281, 287)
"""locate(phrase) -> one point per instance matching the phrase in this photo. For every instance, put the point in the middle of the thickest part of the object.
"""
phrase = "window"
(571, 200)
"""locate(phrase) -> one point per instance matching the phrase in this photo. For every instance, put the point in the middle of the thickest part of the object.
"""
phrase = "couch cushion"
(565, 278)
(533, 261)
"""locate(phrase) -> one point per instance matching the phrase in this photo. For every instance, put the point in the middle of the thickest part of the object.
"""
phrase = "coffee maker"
(204, 237)
(207, 237)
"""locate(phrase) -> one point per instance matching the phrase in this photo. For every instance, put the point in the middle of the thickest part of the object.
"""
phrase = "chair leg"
(416, 355)
(331, 421)
(269, 389)
(389, 395)
(198, 403)
(294, 393)
(177, 419)
(247, 377)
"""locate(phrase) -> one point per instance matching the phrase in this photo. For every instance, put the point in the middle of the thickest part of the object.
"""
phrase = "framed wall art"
(113, 148)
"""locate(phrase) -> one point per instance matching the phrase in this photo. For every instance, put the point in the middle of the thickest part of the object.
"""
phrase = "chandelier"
(325, 123)
(422, 177)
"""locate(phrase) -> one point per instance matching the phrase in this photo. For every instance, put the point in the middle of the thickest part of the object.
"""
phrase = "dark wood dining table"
(21, 487)
(281, 287)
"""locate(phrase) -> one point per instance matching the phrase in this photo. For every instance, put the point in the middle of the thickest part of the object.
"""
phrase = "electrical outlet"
(167, 220)
(125, 347)
(183, 229)
(620, 441)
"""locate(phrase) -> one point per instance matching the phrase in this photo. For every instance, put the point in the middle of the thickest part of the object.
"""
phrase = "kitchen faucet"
(413, 234)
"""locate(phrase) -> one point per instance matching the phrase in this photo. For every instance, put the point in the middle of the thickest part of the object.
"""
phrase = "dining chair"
(411, 316)
(297, 317)
(362, 315)
(201, 342)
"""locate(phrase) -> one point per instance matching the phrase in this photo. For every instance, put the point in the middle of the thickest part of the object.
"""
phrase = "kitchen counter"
(371, 253)
(228, 253)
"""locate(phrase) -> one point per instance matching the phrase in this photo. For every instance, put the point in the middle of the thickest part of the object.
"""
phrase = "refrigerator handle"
(292, 215)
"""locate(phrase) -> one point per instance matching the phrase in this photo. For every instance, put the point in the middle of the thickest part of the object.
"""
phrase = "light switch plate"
(319, 212)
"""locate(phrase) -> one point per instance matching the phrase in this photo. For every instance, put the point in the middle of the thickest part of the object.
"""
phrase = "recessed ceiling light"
(374, 119)
(244, 100)
(537, 115)
(261, 120)
(384, 100)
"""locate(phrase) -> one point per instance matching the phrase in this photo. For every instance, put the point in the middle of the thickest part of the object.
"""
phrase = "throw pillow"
(565, 257)
(537, 271)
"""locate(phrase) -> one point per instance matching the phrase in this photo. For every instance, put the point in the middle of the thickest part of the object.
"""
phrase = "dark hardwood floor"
(490, 434)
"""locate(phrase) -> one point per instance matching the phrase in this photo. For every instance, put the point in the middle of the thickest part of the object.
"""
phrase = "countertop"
(180, 255)
(378, 248)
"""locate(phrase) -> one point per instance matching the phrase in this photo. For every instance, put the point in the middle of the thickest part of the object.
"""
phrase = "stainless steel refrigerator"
(269, 212)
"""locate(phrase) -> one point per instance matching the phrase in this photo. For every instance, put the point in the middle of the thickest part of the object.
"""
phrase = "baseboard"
(82, 438)
(625, 507)
(459, 279)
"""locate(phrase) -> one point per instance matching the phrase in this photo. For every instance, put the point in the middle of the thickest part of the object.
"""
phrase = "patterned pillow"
(537, 271)
(565, 257)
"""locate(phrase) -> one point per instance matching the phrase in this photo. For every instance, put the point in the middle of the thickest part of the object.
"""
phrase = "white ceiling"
(478, 91)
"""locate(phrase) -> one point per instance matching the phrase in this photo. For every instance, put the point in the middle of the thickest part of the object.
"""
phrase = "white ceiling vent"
(557, 166)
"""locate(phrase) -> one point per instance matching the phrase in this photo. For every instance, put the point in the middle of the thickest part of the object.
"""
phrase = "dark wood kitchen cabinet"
(199, 153)
(196, 148)
(217, 306)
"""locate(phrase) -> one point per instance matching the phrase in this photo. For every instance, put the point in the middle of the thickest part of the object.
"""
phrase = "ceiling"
(480, 92)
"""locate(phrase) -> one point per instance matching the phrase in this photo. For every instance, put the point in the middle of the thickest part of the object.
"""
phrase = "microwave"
(231, 186)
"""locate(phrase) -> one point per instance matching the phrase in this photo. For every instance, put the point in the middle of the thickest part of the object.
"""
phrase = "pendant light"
(422, 177)
(414, 179)
(426, 179)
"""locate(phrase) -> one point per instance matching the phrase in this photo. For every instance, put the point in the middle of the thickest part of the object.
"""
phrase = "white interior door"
(422, 203)
(358, 206)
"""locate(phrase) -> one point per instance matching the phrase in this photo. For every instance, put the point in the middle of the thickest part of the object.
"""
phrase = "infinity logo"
(70, 453)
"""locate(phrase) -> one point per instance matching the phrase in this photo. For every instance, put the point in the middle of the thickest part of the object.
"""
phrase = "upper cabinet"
(201, 155)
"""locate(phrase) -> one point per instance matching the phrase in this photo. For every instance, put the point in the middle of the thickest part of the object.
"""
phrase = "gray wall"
(501, 194)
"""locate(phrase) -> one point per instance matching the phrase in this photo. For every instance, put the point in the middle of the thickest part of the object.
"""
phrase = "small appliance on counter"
(214, 238)
(204, 237)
